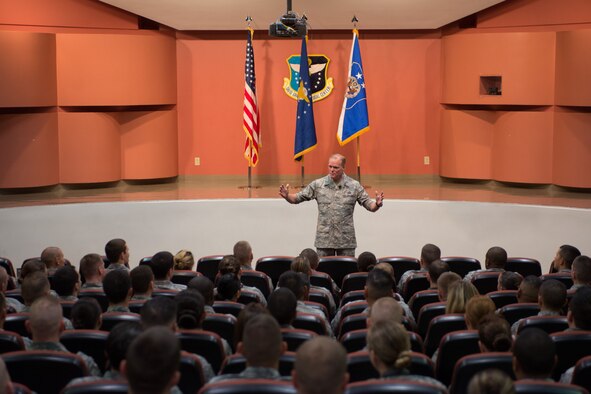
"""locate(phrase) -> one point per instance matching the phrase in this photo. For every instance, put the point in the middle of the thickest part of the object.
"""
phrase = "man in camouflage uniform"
(336, 195)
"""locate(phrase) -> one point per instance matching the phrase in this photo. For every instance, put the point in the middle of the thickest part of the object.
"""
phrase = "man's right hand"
(284, 191)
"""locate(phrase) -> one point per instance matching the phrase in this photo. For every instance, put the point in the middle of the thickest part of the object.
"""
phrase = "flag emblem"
(322, 85)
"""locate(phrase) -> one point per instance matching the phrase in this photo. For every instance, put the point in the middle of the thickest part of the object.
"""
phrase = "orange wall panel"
(522, 148)
(525, 61)
(466, 144)
(148, 144)
(573, 63)
(90, 148)
(28, 150)
(27, 69)
(116, 69)
(572, 149)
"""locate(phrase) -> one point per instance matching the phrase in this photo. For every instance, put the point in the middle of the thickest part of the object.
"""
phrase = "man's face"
(125, 255)
(557, 260)
(335, 169)
(61, 261)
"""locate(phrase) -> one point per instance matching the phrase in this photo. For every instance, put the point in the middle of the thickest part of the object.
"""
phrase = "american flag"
(250, 110)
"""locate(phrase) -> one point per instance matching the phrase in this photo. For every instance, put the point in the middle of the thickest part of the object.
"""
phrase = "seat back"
(191, 371)
(221, 324)
(422, 298)
(249, 386)
(571, 346)
(542, 387)
(90, 342)
(416, 342)
(7, 265)
(353, 308)
(135, 306)
(257, 279)
(503, 297)
(236, 363)
(67, 308)
(15, 322)
(355, 340)
(208, 266)
(401, 264)
(321, 279)
(441, 325)
(52, 370)
(550, 324)
(205, 343)
(274, 266)
(97, 294)
(355, 295)
(319, 307)
(462, 265)
(320, 297)
(399, 385)
(338, 267)
(357, 321)
(102, 386)
(561, 277)
(454, 346)
(247, 296)
(309, 322)
(354, 281)
(228, 307)
(182, 277)
(426, 314)
(524, 266)
(514, 312)
(294, 337)
(11, 342)
(111, 319)
(582, 373)
(418, 281)
(468, 366)
(360, 367)
(486, 282)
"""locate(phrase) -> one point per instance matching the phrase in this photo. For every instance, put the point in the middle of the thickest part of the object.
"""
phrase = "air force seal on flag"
(321, 85)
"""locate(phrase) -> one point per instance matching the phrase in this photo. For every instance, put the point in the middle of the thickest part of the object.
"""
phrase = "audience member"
(204, 286)
(243, 252)
(283, 307)
(387, 268)
(551, 298)
(5, 382)
(35, 285)
(162, 265)
(53, 258)
(117, 288)
(183, 260)
(529, 289)
(152, 362)
(509, 280)
(579, 319)
(86, 314)
(251, 310)
(534, 355)
(92, 271)
(429, 253)
(565, 255)
(458, 295)
(314, 260)
(477, 308)
(66, 283)
(30, 266)
(444, 282)
(366, 262)
(262, 346)
(117, 253)
(231, 265)
(301, 264)
(434, 271)
(494, 261)
(320, 367)
(385, 308)
(228, 288)
(581, 272)
(494, 334)
(12, 304)
(142, 283)
(491, 381)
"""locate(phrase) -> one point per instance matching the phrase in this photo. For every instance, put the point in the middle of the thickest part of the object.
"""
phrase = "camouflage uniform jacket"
(251, 373)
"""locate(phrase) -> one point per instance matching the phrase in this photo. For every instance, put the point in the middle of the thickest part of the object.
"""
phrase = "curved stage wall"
(274, 227)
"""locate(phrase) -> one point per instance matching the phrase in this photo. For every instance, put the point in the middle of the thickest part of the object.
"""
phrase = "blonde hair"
(458, 295)
(184, 260)
(390, 343)
(476, 308)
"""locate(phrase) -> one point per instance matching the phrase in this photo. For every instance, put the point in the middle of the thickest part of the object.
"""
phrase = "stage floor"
(233, 187)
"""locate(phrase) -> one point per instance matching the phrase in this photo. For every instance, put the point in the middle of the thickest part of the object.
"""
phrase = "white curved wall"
(273, 227)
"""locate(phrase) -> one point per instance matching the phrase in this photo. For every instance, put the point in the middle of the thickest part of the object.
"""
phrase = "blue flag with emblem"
(305, 135)
(354, 120)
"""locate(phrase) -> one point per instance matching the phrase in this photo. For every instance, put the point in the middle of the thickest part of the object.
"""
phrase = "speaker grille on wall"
(147, 24)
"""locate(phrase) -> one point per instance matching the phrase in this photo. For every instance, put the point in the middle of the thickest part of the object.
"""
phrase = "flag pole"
(302, 173)
(358, 160)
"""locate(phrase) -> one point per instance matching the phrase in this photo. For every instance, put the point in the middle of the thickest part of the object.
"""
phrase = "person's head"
(552, 295)
(250, 310)
(5, 382)
(534, 354)
(581, 270)
(117, 251)
(262, 344)
(336, 167)
(30, 266)
(429, 253)
(3, 280)
(491, 381)
(228, 288)
(229, 265)
(320, 367)
(366, 261)
(35, 285)
(118, 341)
(204, 286)
(190, 309)
(444, 282)
(385, 308)
(565, 255)
(86, 314)
(579, 309)
(296, 282)
(53, 257)
(92, 268)
(66, 281)
(435, 270)
(301, 264)
(152, 362)
(282, 305)
(46, 320)
(159, 311)
(494, 334)
(478, 307)
(389, 345)
(379, 284)
(387, 268)
(117, 286)
(509, 280)
(496, 257)
(243, 252)
(162, 265)
(312, 257)
(184, 260)
(529, 289)
(458, 295)
(142, 280)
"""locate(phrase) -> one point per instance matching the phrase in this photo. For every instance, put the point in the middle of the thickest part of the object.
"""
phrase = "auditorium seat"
(249, 386)
(228, 307)
(454, 346)
(10, 342)
(182, 277)
(321, 279)
(221, 324)
(236, 363)
(7, 265)
(90, 342)
(422, 298)
(355, 340)
(106, 386)
(257, 279)
(356, 295)
(354, 281)
(320, 297)
(97, 294)
(418, 281)
(274, 266)
(426, 314)
(338, 267)
(399, 385)
(441, 325)
(468, 366)
(462, 265)
(145, 261)
(503, 297)
(571, 346)
(514, 312)
(544, 387)
(319, 307)
(294, 337)
(582, 373)
(550, 324)
(15, 322)
(111, 319)
(524, 266)
(204, 343)
(247, 296)
(135, 306)
(67, 308)
(310, 322)
(360, 367)
(565, 278)
(191, 370)
(353, 308)
(401, 264)
(486, 282)
(208, 266)
(18, 388)
(356, 321)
